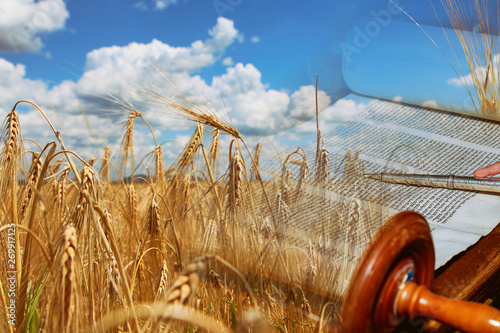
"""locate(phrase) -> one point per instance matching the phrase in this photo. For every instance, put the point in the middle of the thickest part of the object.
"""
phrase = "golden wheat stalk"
(36, 168)
(214, 150)
(68, 275)
(128, 143)
(105, 165)
(12, 134)
(162, 312)
(154, 226)
(112, 247)
(86, 186)
(9, 180)
(113, 278)
(353, 221)
(60, 189)
(274, 309)
(236, 171)
(184, 287)
(88, 179)
(256, 158)
(178, 103)
(480, 50)
(323, 164)
(303, 175)
(132, 207)
(189, 152)
(163, 281)
(305, 305)
(159, 176)
(54, 167)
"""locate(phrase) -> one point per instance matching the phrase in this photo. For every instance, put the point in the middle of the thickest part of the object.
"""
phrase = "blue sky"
(261, 56)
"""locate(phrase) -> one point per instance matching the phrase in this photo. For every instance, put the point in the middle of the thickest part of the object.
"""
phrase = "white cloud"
(112, 70)
(254, 108)
(479, 73)
(228, 61)
(303, 104)
(23, 21)
(137, 56)
(163, 4)
(14, 86)
(255, 39)
(304, 135)
(250, 103)
(461, 81)
(430, 104)
(397, 98)
(155, 4)
(343, 110)
(141, 5)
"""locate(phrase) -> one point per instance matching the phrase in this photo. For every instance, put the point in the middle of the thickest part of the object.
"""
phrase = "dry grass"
(481, 51)
(109, 255)
(118, 256)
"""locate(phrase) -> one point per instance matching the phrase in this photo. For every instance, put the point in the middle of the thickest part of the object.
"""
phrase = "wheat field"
(87, 247)
(183, 248)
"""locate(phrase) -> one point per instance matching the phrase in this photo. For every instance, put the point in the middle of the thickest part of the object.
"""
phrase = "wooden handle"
(418, 301)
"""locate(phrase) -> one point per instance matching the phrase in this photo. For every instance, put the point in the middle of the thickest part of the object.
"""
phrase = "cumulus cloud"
(113, 70)
(303, 103)
(460, 81)
(155, 4)
(257, 110)
(252, 106)
(23, 22)
(163, 4)
(255, 39)
(343, 110)
(117, 71)
(141, 5)
(228, 61)
(170, 58)
(14, 86)
(430, 104)
(479, 73)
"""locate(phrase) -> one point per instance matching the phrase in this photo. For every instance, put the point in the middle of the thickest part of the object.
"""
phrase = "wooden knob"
(404, 243)
(417, 301)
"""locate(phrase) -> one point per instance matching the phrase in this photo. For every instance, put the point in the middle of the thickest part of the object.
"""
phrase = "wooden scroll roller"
(391, 282)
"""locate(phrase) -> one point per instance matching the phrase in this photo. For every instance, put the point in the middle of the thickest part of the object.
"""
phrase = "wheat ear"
(68, 277)
(256, 158)
(113, 278)
(36, 167)
(105, 165)
(236, 170)
(163, 281)
(214, 149)
(154, 220)
(54, 167)
(188, 154)
(323, 162)
(132, 206)
(159, 177)
(184, 286)
(128, 142)
(11, 140)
